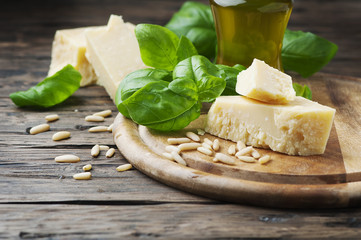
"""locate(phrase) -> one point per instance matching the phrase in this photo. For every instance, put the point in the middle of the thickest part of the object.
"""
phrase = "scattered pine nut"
(61, 135)
(67, 158)
(110, 153)
(204, 150)
(52, 117)
(95, 150)
(224, 158)
(168, 155)
(247, 159)
(110, 128)
(265, 159)
(174, 141)
(193, 136)
(232, 150)
(103, 147)
(209, 142)
(244, 151)
(200, 131)
(178, 158)
(189, 146)
(240, 145)
(82, 176)
(104, 114)
(93, 118)
(39, 129)
(255, 154)
(87, 167)
(171, 148)
(98, 129)
(124, 167)
(215, 145)
(206, 145)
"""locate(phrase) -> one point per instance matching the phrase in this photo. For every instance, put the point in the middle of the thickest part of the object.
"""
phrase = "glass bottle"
(248, 29)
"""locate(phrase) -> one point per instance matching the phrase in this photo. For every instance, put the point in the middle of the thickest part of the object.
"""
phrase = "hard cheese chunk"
(69, 47)
(265, 83)
(301, 127)
(114, 52)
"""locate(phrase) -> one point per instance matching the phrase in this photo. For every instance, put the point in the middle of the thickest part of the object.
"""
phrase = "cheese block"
(114, 52)
(301, 127)
(265, 83)
(69, 47)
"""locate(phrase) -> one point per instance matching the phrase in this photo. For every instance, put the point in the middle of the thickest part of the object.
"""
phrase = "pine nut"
(98, 129)
(67, 158)
(225, 159)
(206, 145)
(61, 135)
(189, 146)
(247, 159)
(265, 159)
(174, 141)
(110, 128)
(52, 117)
(209, 142)
(103, 147)
(178, 158)
(200, 131)
(124, 167)
(110, 153)
(205, 151)
(193, 136)
(87, 167)
(168, 155)
(215, 145)
(240, 145)
(39, 128)
(95, 150)
(104, 114)
(255, 154)
(232, 150)
(171, 148)
(82, 176)
(92, 118)
(244, 151)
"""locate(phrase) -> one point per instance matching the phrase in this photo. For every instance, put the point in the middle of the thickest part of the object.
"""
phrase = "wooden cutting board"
(325, 181)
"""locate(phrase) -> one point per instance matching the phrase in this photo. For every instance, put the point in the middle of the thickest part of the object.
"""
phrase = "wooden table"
(39, 198)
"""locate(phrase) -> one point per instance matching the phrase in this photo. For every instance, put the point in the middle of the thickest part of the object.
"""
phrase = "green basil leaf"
(185, 49)
(51, 91)
(305, 52)
(303, 91)
(195, 21)
(204, 74)
(229, 74)
(158, 46)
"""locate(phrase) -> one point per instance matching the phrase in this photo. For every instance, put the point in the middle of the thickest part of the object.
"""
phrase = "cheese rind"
(301, 127)
(69, 47)
(114, 53)
(265, 83)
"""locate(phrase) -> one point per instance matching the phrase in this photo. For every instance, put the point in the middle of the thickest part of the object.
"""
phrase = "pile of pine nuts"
(192, 142)
(95, 151)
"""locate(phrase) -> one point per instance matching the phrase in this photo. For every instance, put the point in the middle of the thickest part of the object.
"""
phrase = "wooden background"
(39, 198)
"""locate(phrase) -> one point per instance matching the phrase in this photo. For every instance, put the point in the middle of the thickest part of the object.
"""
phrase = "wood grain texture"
(36, 202)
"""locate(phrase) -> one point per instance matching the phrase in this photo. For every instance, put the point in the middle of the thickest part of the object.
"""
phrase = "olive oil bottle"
(248, 29)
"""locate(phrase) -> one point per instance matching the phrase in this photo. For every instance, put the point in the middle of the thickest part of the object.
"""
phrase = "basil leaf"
(185, 49)
(229, 74)
(306, 53)
(158, 46)
(204, 74)
(303, 91)
(195, 21)
(51, 91)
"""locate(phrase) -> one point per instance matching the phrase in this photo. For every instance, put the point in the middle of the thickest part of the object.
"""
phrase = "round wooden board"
(325, 181)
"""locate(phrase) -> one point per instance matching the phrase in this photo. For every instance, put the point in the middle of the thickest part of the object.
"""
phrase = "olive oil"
(248, 29)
